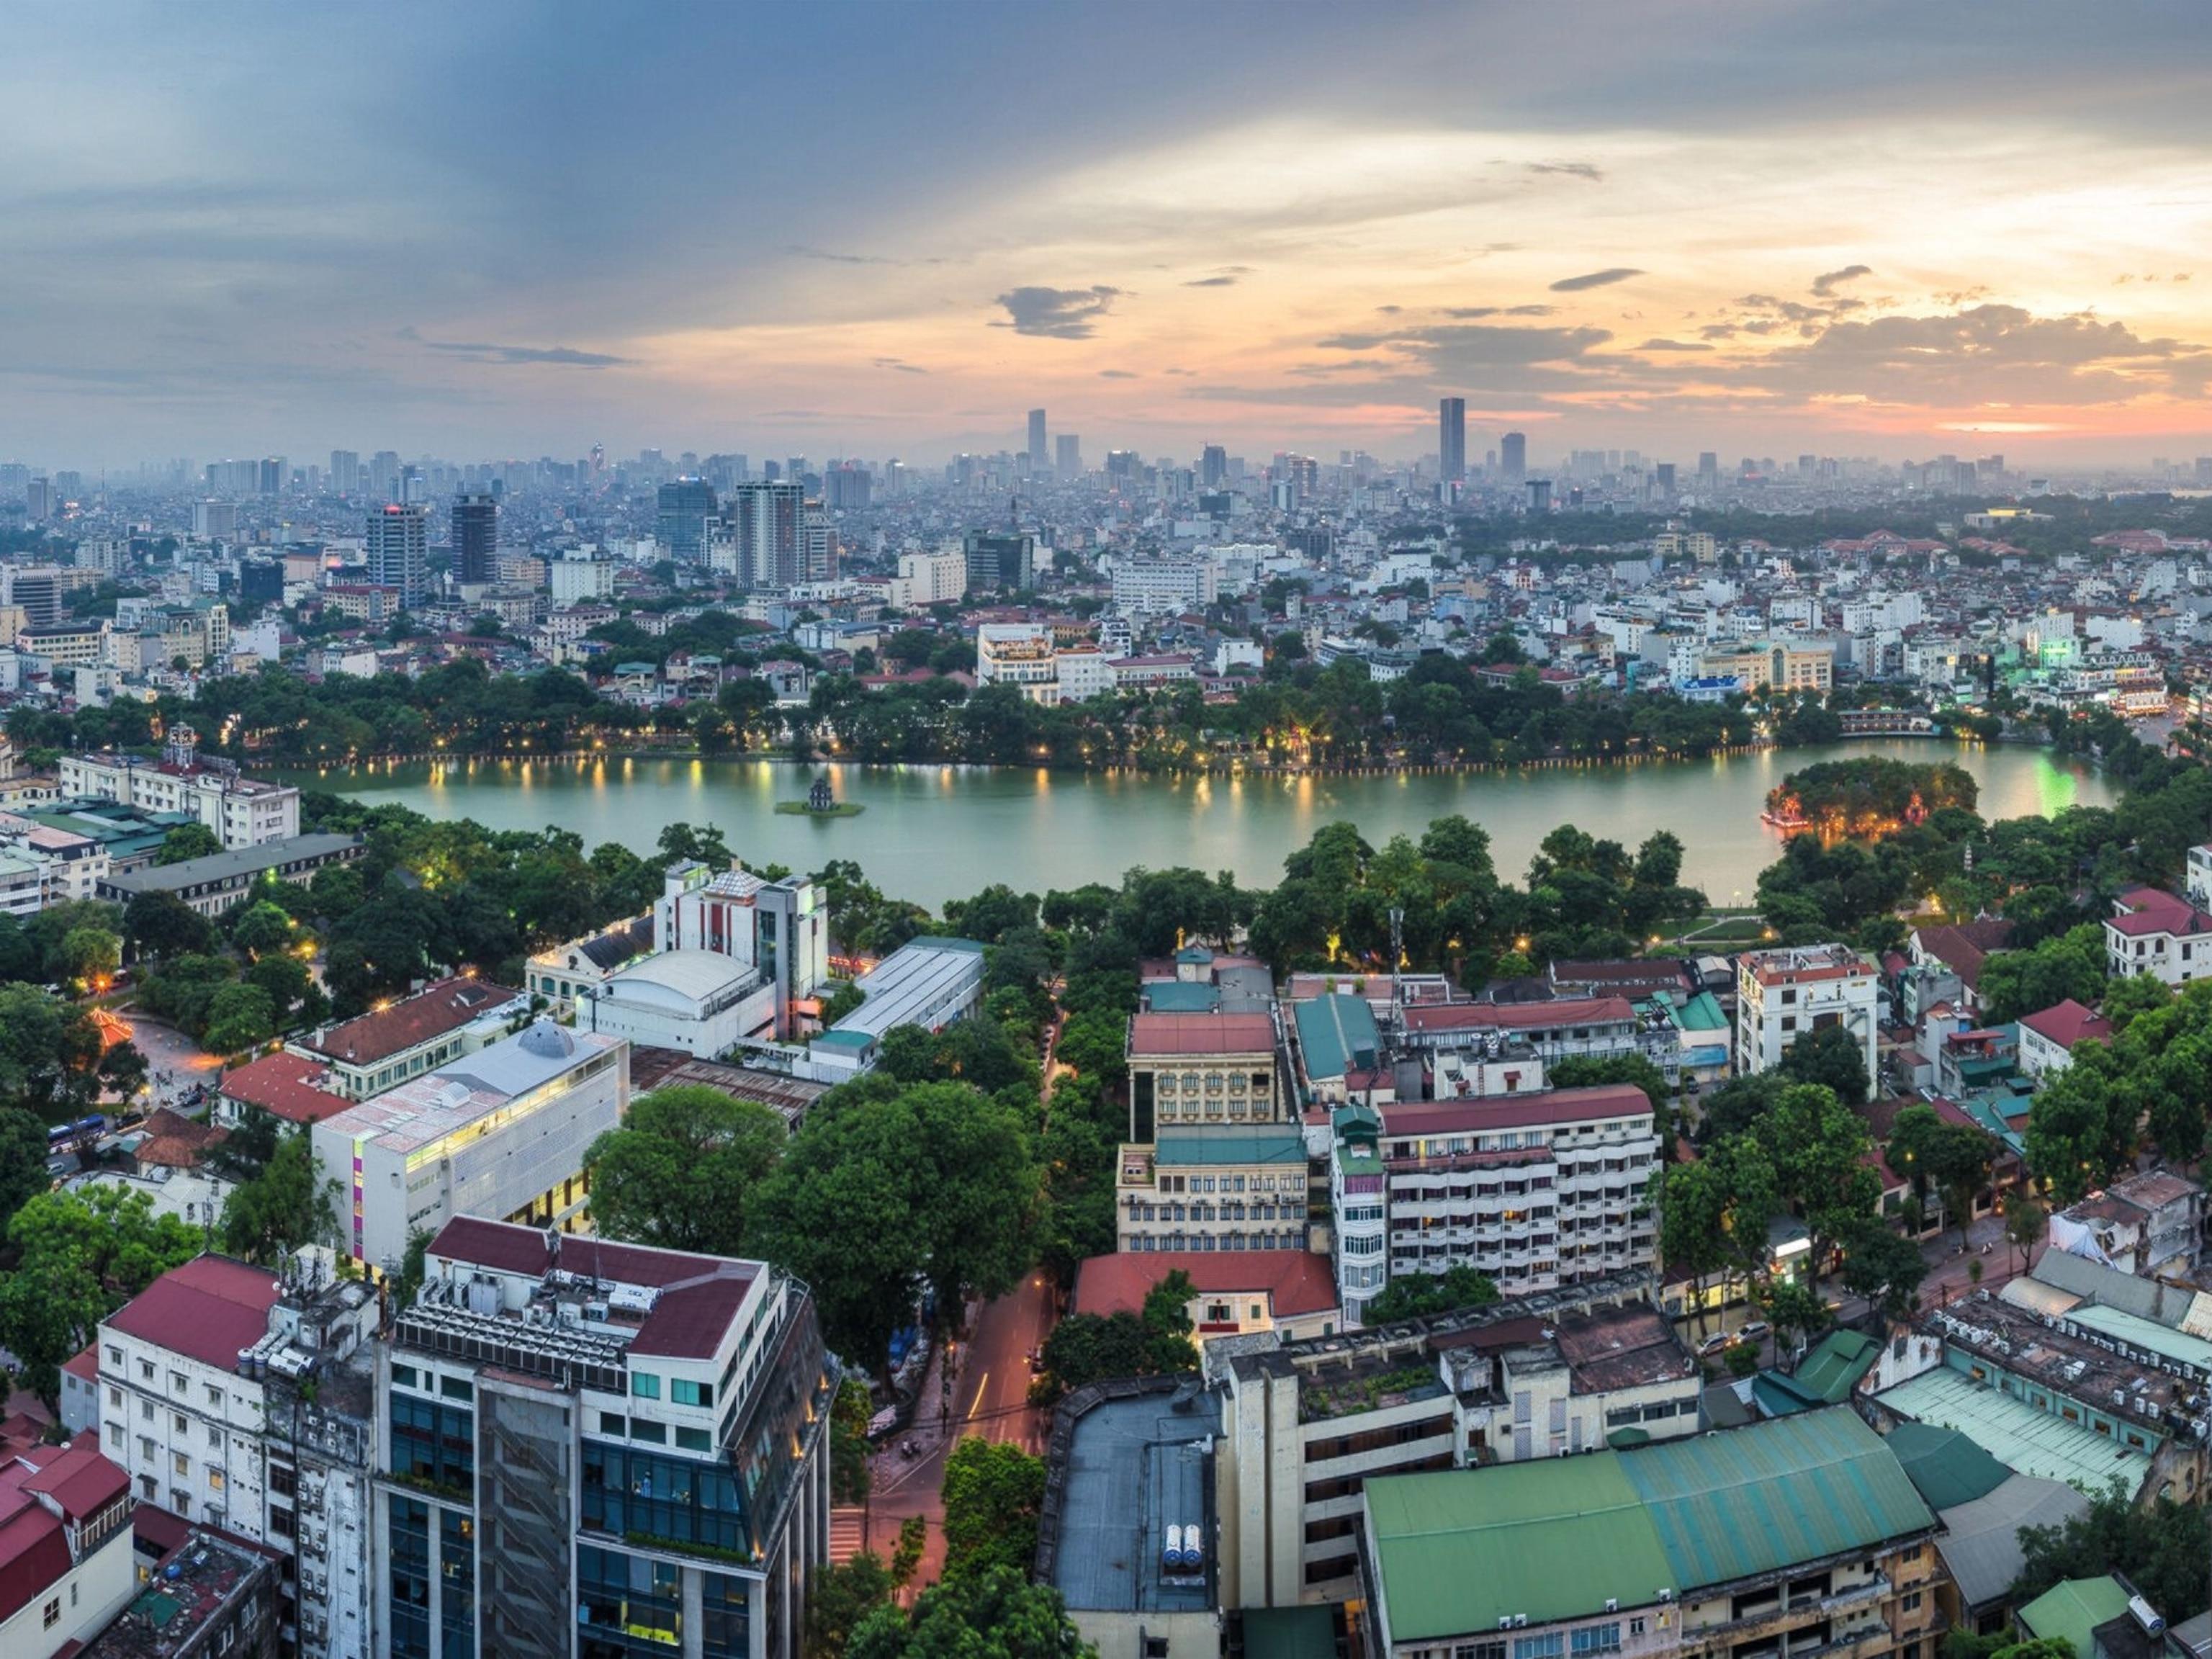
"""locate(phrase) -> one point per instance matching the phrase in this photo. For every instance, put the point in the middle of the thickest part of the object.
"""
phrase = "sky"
(889, 229)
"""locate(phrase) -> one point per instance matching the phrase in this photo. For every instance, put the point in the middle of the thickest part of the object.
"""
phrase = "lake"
(931, 833)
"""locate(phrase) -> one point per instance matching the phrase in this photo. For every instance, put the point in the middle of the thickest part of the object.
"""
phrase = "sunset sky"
(888, 229)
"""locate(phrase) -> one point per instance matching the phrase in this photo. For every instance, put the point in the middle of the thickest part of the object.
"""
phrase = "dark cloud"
(1057, 313)
(1211, 282)
(1117, 375)
(1788, 311)
(1530, 310)
(1826, 284)
(485, 352)
(1595, 279)
(901, 365)
(1569, 169)
(1673, 345)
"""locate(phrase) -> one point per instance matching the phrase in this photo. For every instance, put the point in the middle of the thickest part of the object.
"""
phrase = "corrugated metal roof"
(1980, 1541)
(1336, 1033)
(1945, 1466)
(1555, 1540)
(2072, 1610)
(2017, 1434)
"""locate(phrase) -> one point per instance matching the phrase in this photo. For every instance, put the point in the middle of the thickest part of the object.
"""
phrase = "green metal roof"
(1702, 1012)
(1174, 996)
(1335, 1034)
(2140, 1333)
(1555, 1540)
(1232, 1147)
(1946, 1468)
(2072, 1609)
(2022, 1437)
(1834, 1367)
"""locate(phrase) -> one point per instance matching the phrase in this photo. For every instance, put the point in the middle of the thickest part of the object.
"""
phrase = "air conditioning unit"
(1666, 1594)
(1612, 1604)
(1506, 1623)
(1520, 1621)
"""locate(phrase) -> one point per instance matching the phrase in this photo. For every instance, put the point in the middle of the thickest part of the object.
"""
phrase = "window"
(404, 1376)
(684, 1392)
(215, 1480)
(1480, 1651)
(214, 1398)
(696, 1440)
(644, 1385)
(52, 1613)
(1549, 1645)
(1909, 1602)
(1636, 1627)
(184, 1464)
(1598, 1638)
(652, 1433)
(179, 1383)
(180, 1422)
(456, 1388)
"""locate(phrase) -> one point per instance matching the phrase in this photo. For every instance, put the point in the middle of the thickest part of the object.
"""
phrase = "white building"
(402, 1039)
(2154, 933)
(780, 927)
(702, 1002)
(928, 982)
(1165, 583)
(1084, 672)
(1019, 654)
(582, 576)
(66, 1563)
(499, 1133)
(1781, 994)
(926, 579)
(22, 885)
(243, 811)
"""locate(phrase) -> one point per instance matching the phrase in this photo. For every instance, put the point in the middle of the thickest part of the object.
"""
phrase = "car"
(1755, 1330)
(1718, 1342)
(1036, 1361)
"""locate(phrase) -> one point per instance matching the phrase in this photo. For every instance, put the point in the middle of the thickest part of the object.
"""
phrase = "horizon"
(1873, 231)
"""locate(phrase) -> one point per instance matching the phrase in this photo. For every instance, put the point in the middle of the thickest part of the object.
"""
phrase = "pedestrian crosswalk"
(846, 1534)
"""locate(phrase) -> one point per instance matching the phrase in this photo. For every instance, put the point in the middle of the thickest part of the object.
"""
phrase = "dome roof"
(547, 1041)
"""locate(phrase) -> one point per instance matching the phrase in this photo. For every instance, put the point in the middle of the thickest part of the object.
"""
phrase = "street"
(166, 1049)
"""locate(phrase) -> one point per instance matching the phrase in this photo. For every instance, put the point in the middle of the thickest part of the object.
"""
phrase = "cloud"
(1673, 345)
(1117, 375)
(1057, 313)
(1211, 282)
(1569, 169)
(1595, 279)
(901, 365)
(485, 352)
(1826, 284)
(800, 250)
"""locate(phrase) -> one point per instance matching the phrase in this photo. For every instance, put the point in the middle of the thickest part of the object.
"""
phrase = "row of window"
(1231, 1183)
(1140, 1211)
(1264, 1241)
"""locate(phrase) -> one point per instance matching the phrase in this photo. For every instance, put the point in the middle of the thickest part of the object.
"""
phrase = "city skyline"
(1864, 230)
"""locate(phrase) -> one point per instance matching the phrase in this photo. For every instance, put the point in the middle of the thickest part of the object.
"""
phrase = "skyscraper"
(1451, 438)
(1000, 562)
(1068, 455)
(345, 472)
(399, 550)
(681, 526)
(476, 537)
(1212, 466)
(766, 524)
(1513, 456)
(1037, 450)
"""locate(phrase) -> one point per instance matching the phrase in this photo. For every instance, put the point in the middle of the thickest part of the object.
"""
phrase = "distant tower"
(1513, 456)
(1451, 438)
(1213, 466)
(1037, 450)
(399, 550)
(476, 537)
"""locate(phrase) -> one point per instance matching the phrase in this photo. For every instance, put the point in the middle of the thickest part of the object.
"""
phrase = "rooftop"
(1458, 1551)
(199, 1583)
(208, 1310)
(915, 984)
(2018, 1435)
(1477, 1114)
(1130, 1467)
(1208, 1144)
(1336, 1034)
(1554, 1014)
(1797, 964)
(2067, 1022)
(285, 1085)
(1295, 1281)
(1980, 1540)
(2071, 1611)
(1162, 1036)
(427, 1109)
(233, 865)
(430, 1013)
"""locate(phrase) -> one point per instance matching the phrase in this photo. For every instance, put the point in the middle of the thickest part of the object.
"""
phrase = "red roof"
(429, 1014)
(207, 1309)
(1519, 1016)
(1482, 1113)
(80, 1482)
(2149, 910)
(2066, 1023)
(285, 1085)
(1965, 948)
(1201, 1034)
(34, 1551)
(1294, 1281)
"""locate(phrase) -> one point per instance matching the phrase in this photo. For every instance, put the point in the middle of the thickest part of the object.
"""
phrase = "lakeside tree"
(680, 1170)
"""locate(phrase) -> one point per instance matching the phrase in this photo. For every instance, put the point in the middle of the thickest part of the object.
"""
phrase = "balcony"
(1796, 1610)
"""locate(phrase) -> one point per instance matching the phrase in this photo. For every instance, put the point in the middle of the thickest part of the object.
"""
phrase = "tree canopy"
(681, 1170)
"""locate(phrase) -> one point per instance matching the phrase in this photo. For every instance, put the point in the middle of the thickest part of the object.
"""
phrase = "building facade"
(1214, 1187)
(242, 811)
(1781, 994)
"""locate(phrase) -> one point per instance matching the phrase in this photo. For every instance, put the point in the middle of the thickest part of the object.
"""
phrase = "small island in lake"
(821, 802)
(1866, 798)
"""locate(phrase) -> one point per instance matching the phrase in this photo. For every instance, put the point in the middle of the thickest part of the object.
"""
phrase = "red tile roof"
(1480, 1114)
(429, 1014)
(285, 1085)
(1201, 1034)
(1294, 1281)
(1519, 1016)
(80, 1482)
(1965, 948)
(176, 1142)
(207, 1309)
(34, 1551)
(2151, 911)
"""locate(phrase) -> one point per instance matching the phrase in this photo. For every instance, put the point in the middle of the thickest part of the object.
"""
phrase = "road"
(167, 1050)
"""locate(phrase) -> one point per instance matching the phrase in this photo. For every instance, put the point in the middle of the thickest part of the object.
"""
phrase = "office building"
(39, 501)
(779, 927)
(1307, 1421)
(680, 526)
(818, 544)
(1213, 466)
(213, 520)
(1037, 449)
(1019, 654)
(399, 551)
(345, 472)
(926, 579)
(1192, 1069)
(1513, 457)
(1214, 1187)
(499, 1133)
(1003, 562)
(767, 527)
(1451, 439)
(582, 575)
(1781, 994)
(1068, 455)
(1171, 584)
(1798, 1535)
(600, 1450)
(218, 884)
(476, 537)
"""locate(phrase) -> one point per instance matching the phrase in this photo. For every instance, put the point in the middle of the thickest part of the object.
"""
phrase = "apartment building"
(1796, 1536)
(499, 1133)
(1598, 1027)
(1781, 994)
(1190, 1069)
(1772, 665)
(1214, 1187)
(2154, 933)
(599, 1450)
(1019, 655)
(242, 811)
(71, 865)
(239, 1400)
(388, 1046)
(1305, 1424)
(66, 1566)
(1156, 584)
(1535, 1190)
